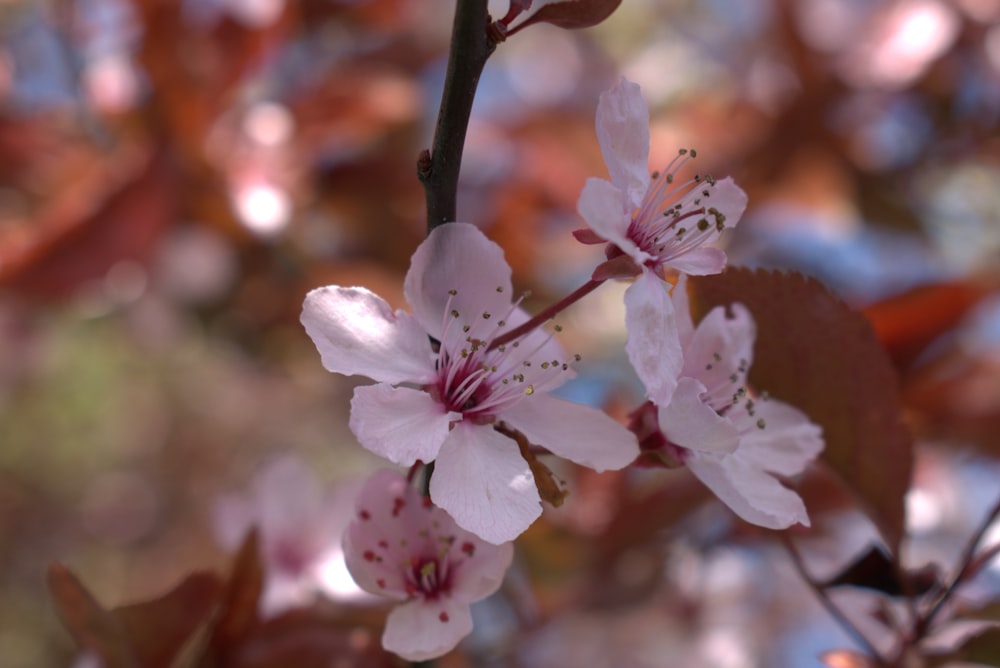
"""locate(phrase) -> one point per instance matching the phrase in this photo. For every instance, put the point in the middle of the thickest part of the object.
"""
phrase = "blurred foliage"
(176, 174)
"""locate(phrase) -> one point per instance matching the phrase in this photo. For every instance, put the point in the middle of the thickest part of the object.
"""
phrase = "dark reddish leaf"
(241, 596)
(874, 569)
(92, 627)
(817, 354)
(571, 14)
(160, 629)
(982, 648)
(308, 638)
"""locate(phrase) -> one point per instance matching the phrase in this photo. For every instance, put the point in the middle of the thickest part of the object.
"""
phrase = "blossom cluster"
(463, 381)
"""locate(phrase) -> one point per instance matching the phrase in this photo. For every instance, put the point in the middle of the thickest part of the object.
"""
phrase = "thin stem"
(831, 607)
(438, 170)
(963, 568)
(547, 313)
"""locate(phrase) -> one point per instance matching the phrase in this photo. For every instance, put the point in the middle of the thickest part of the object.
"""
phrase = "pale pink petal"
(482, 481)
(458, 257)
(652, 346)
(288, 498)
(416, 632)
(689, 422)
(232, 518)
(682, 311)
(701, 261)
(729, 199)
(482, 573)
(778, 437)
(573, 431)
(388, 518)
(399, 423)
(751, 493)
(623, 133)
(357, 333)
(377, 576)
(604, 207)
(721, 351)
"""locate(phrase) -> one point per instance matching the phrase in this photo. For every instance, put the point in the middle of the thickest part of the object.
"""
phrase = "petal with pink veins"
(729, 199)
(623, 133)
(682, 311)
(604, 207)
(575, 432)
(458, 257)
(720, 347)
(698, 261)
(420, 630)
(356, 332)
(483, 571)
(399, 423)
(652, 346)
(482, 481)
(689, 422)
(778, 438)
(751, 493)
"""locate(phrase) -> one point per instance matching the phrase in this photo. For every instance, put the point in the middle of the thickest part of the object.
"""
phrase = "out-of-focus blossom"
(653, 226)
(732, 442)
(300, 526)
(403, 547)
(459, 286)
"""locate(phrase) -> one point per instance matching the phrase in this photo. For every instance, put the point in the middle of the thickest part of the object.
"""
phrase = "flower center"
(727, 387)
(428, 577)
(479, 382)
(675, 218)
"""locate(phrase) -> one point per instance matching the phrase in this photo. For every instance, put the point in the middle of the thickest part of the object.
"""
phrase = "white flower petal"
(689, 422)
(604, 207)
(458, 257)
(482, 481)
(682, 311)
(721, 345)
(575, 432)
(750, 492)
(701, 261)
(652, 346)
(729, 199)
(399, 423)
(416, 632)
(356, 332)
(483, 572)
(623, 133)
(787, 442)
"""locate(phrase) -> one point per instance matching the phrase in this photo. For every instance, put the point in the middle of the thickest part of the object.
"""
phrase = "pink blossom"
(733, 442)
(654, 226)
(300, 525)
(402, 547)
(440, 401)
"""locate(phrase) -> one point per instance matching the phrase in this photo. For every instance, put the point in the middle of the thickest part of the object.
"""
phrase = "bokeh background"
(176, 174)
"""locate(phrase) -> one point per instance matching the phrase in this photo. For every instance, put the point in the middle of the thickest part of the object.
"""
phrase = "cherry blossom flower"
(458, 387)
(300, 526)
(654, 225)
(733, 442)
(403, 547)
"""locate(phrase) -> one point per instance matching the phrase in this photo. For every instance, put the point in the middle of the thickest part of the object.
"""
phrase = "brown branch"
(438, 170)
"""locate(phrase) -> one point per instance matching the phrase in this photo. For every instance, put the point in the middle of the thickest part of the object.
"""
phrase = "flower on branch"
(734, 442)
(402, 547)
(443, 385)
(654, 226)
